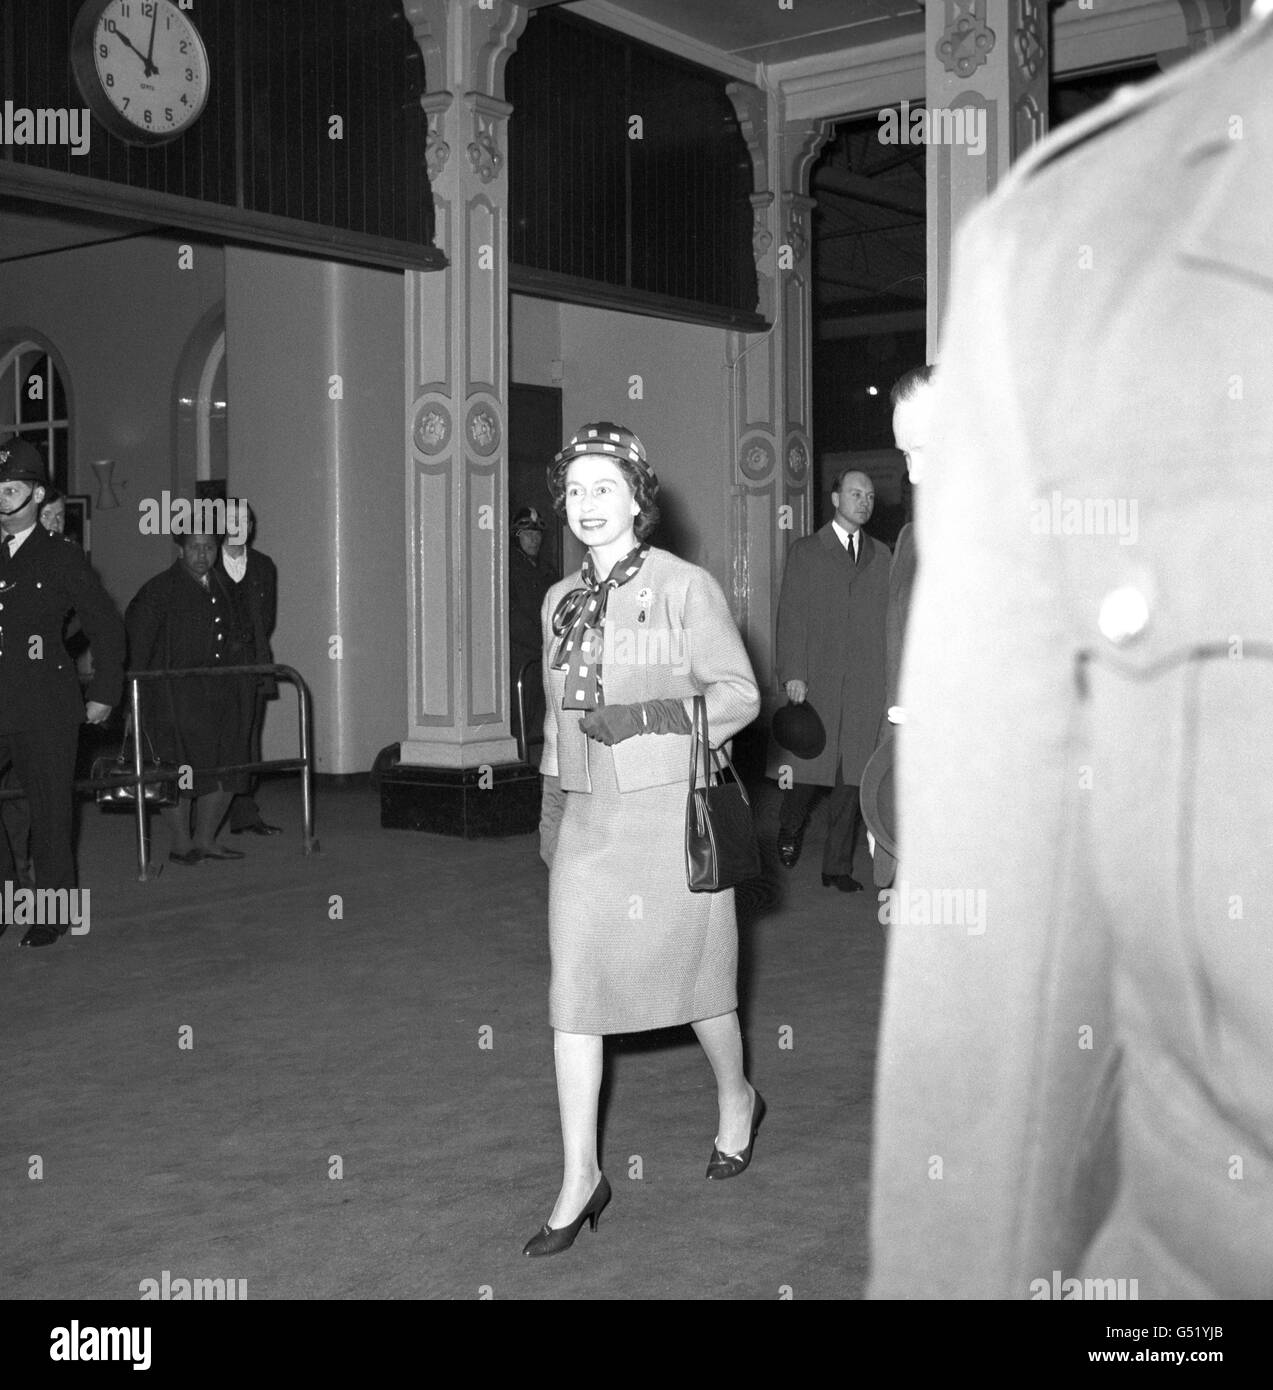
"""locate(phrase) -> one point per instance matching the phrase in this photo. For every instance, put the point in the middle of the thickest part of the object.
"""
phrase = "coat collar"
(1231, 143)
(1234, 204)
(832, 543)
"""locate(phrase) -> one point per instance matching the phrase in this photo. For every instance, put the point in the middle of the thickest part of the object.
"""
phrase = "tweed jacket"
(831, 636)
(44, 581)
(668, 634)
(1069, 1078)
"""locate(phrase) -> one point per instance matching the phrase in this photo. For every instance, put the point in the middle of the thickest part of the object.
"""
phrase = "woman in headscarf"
(629, 639)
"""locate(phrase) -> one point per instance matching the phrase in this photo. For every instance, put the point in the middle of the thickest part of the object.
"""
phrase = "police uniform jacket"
(47, 579)
(1073, 1080)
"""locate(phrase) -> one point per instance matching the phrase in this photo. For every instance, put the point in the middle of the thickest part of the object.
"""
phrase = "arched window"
(34, 404)
(199, 459)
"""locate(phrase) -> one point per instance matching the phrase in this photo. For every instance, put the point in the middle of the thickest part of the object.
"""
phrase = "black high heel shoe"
(730, 1165)
(552, 1242)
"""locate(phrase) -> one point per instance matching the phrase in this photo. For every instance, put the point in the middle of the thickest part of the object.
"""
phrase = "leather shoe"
(789, 849)
(259, 827)
(40, 935)
(550, 1240)
(730, 1165)
(846, 883)
(191, 856)
(222, 853)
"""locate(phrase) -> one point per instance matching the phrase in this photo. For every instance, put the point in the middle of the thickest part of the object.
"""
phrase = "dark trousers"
(243, 809)
(844, 811)
(44, 760)
(15, 815)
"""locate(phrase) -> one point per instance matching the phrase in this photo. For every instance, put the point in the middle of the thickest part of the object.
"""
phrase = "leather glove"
(614, 723)
(551, 810)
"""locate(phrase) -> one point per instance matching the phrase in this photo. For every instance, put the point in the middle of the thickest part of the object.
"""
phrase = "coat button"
(1123, 616)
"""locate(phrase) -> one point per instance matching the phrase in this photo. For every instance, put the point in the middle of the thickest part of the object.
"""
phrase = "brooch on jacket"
(644, 597)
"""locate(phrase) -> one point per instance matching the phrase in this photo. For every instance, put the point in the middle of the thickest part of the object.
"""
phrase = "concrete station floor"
(354, 1045)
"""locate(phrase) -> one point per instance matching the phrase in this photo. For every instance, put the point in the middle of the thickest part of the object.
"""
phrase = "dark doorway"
(534, 436)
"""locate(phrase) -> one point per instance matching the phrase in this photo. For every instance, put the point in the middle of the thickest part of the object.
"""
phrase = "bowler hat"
(20, 462)
(879, 795)
(799, 730)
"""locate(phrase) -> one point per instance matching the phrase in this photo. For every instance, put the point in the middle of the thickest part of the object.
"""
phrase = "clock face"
(142, 68)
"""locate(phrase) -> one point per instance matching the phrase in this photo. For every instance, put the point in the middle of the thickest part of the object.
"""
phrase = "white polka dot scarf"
(578, 621)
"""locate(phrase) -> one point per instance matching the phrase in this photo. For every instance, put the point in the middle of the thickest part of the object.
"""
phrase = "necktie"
(853, 548)
(6, 551)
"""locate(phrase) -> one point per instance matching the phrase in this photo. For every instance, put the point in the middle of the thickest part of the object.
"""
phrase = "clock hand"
(128, 43)
(151, 69)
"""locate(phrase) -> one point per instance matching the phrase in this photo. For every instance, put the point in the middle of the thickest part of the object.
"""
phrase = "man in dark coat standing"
(253, 579)
(42, 578)
(529, 579)
(830, 652)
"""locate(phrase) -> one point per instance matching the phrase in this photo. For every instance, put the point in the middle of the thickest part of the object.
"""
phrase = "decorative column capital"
(490, 116)
(436, 150)
(801, 143)
(751, 106)
(466, 46)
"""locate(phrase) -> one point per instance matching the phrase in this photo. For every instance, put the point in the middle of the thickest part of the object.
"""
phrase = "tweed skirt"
(632, 948)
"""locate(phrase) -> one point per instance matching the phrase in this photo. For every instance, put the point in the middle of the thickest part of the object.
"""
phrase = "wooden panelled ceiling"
(759, 31)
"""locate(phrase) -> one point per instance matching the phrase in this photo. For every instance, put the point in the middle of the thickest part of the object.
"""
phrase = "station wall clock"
(142, 68)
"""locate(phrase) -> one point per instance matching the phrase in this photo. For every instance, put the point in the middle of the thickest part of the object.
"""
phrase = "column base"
(453, 801)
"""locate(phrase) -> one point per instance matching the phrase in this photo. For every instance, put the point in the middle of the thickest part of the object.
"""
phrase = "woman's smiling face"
(600, 504)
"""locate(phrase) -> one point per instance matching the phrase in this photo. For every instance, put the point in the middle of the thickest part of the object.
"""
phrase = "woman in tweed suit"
(629, 640)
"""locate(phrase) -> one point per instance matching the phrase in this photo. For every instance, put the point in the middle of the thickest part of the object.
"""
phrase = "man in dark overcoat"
(43, 578)
(1073, 1095)
(253, 578)
(529, 579)
(830, 651)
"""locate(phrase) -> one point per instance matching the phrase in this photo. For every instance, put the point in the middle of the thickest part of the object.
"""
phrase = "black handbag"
(159, 789)
(720, 837)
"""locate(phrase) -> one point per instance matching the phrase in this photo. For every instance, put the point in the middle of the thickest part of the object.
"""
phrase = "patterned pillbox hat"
(606, 438)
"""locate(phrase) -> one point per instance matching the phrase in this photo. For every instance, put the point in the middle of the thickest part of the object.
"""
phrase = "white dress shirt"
(848, 540)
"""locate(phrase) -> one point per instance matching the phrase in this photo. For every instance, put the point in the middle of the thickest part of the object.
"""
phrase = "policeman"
(43, 578)
(529, 579)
